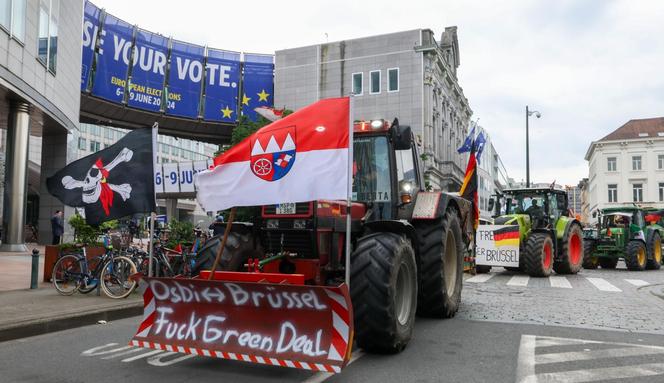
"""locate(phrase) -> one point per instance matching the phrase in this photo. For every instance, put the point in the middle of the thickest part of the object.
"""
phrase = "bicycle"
(72, 273)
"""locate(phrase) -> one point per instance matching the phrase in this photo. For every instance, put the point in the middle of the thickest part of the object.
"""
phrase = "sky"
(588, 66)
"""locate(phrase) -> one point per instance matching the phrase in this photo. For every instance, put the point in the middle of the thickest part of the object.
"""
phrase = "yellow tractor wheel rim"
(657, 251)
(641, 256)
(594, 261)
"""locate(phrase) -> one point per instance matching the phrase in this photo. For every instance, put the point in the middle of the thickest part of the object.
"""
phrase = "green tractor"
(630, 232)
(549, 237)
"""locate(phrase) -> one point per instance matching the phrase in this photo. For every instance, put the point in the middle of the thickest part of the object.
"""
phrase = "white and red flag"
(302, 157)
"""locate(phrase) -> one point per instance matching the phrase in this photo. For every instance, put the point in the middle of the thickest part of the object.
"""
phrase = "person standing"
(57, 227)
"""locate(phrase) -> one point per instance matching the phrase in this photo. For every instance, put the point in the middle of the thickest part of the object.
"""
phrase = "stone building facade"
(408, 75)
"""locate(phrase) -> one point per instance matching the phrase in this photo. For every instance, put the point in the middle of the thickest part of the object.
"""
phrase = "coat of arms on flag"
(273, 153)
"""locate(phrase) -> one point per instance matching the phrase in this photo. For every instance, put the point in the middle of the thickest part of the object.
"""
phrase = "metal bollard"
(35, 269)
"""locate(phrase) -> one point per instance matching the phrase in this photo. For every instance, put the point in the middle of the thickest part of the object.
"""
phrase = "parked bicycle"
(110, 272)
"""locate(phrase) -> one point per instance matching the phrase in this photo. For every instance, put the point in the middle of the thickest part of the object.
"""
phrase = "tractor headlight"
(299, 224)
(272, 224)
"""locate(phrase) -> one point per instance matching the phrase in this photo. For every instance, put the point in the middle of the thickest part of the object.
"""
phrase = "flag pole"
(231, 218)
(153, 215)
(350, 186)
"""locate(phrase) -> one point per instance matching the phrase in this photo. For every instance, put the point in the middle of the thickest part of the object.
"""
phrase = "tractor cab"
(543, 206)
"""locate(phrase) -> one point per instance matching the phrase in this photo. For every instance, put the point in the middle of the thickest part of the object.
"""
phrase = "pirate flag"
(112, 183)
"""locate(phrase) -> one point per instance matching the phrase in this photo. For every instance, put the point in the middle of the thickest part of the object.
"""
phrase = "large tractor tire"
(636, 257)
(441, 266)
(607, 263)
(383, 289)
(571, 251)
(238, 249)
(589, 261)
(654, 261)
(539, 255)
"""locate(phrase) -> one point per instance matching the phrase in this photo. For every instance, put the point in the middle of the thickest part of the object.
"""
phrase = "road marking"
(480, 278)
(323, 376)
(560, 357)
(637, 282)
(560, 282)
(602, 374)
(533, 352)
(157, 359)
(603, 285)
(137, 357)
(518, 280)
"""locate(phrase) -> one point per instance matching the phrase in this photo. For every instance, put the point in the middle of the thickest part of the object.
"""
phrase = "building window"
(661, 192)
(357, 84)
(374, 76)
(660, 161)
(82, 143)
(637, 192)
(393, 80)
(94, 146)
(108, 133)
(613, 193)
(12, 17)
(636, 162)
(611, 164)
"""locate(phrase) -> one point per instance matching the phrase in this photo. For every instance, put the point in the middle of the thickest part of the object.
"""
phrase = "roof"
(536, 190)
(641, 128)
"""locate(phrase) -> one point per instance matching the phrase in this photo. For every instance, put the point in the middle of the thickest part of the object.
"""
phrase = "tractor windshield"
(371, 170)
(523, 203)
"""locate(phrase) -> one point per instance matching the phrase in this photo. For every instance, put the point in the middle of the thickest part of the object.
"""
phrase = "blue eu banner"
(257, 84)
(221, 85)
(90, 29)
(113, 59)
(185, 79)
(148, 72)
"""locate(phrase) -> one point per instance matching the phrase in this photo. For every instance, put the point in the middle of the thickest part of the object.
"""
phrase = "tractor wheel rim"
(404, 293)
(657, 251)
(575, 249)
(594, 261)
(641, 256)
(450, 263)
(546, 259)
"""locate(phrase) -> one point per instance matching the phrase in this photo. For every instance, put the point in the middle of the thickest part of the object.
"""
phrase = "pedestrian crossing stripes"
(603, 284)
(557, 281)
(518, 280)
(550, 359)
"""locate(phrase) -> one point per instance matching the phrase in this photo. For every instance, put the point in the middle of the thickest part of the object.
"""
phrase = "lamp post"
(528, 114)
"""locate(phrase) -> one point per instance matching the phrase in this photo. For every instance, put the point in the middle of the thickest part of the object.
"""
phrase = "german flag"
(469, 186)
(507, 236)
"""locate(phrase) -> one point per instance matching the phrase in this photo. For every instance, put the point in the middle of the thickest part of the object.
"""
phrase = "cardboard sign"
(497, 245)
(262, 321)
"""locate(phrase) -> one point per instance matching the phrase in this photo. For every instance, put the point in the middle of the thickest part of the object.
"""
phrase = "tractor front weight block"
(262, 318)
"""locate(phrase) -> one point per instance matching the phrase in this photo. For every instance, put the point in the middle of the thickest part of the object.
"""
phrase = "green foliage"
(181, 232)
(87, 234)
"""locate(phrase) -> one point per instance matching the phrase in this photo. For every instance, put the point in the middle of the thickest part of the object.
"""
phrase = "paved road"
(498, 336)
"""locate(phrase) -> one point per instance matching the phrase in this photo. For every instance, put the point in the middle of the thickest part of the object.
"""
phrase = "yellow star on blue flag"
(263, 95)
(227, 112)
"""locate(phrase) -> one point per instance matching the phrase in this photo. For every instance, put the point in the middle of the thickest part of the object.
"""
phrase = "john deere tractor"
(550, 238)
(629, 232)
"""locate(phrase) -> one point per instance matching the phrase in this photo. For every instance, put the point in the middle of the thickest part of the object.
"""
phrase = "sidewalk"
(25, 312)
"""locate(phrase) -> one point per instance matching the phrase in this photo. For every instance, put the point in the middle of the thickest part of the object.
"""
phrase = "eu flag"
(257, 84)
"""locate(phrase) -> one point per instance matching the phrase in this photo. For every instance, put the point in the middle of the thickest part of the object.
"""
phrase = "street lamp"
(528, 114)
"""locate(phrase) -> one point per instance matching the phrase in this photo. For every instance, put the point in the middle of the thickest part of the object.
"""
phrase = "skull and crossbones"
(95, 186)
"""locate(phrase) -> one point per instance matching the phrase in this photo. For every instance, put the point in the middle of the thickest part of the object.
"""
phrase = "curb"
(68, 321)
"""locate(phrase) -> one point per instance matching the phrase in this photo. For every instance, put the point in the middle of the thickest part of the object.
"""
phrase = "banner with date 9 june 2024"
(113, 59)
(148, 71)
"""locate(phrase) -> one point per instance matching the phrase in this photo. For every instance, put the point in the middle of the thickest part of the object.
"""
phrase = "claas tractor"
(629, 232)
(282, 278)
(549, 237)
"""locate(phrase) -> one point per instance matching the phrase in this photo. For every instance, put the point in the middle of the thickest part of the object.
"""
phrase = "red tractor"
(408, 248)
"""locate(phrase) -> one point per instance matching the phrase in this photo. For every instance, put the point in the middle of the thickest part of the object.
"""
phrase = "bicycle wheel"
(67, 275)
(92, 282)
(115, 275)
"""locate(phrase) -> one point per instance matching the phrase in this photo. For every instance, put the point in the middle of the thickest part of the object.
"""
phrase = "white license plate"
(286, 208)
